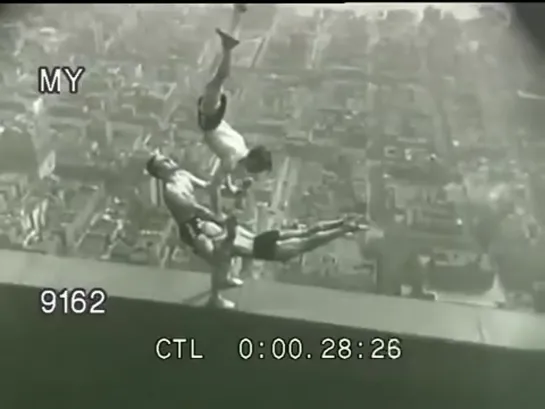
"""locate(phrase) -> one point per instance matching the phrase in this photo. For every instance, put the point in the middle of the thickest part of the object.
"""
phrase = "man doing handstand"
(229, 146)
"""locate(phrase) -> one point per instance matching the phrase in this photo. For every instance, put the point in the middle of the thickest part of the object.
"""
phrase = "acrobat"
(235, 157)
(217, 239)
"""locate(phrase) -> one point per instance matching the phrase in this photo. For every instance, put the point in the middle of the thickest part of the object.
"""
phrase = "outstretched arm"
(198, 182)
(220, 177)
(232, 189)
(227, 182)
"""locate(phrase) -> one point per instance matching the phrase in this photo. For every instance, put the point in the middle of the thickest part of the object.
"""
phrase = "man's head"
(160, 166)
(258, 160)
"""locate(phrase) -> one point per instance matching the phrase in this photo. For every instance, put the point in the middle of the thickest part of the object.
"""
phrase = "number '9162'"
(76, 301)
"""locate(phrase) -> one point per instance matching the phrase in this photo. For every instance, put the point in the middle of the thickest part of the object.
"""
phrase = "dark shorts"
(209, 122)
(188, 230)
(265, 245)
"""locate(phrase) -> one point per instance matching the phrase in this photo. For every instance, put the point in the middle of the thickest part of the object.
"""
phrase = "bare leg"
(218, 276)
(316, 228)
(239, 10)
(213, 90)
(219, 279)
(290, 248)
(245, 253)
(217, 252)
(245, 232)
(247, 267)
(221, 267)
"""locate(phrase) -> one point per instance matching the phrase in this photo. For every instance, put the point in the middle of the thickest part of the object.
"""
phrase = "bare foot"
(374, 234)
(355, 222)
(241, 8)
(230, 282)
(228, 42)
(220, 302)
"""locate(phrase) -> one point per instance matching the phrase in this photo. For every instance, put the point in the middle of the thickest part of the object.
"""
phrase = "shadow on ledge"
(92, 361)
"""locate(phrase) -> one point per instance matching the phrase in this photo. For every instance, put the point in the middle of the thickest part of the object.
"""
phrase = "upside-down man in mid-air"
(218, 239)
(235, 158)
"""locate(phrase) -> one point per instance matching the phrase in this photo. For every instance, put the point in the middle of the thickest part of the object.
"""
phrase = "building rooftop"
(391, 315)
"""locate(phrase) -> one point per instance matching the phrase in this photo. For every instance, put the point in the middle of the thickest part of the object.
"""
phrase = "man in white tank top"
(230, 146)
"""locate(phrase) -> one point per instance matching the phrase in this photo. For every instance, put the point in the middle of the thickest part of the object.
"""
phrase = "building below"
(402, 317)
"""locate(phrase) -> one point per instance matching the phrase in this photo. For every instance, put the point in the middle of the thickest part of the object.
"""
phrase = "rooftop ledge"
(392, 315)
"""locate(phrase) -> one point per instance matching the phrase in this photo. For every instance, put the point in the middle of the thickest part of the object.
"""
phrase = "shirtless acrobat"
(227, 144)
(218, 240)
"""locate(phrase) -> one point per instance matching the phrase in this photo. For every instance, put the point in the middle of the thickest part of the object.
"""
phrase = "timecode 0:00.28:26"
(329, 348)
